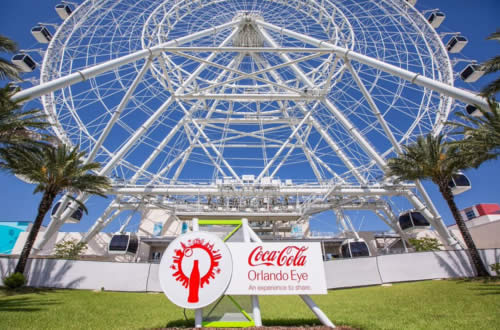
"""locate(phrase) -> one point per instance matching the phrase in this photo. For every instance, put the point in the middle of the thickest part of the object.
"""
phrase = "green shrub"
(70, 249)
(14, 281)
(495, 268)
(425, 244)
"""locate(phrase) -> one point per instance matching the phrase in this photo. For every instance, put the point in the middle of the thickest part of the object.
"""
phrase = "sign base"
(230, 320)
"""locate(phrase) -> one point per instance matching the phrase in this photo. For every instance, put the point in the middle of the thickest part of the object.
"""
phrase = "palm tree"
(491, 66)
(17, 126)
(7, 69)
(430, 158)
(54, 170)
(481, 134)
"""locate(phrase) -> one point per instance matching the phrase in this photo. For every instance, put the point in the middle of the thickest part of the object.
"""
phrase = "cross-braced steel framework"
(244, 108)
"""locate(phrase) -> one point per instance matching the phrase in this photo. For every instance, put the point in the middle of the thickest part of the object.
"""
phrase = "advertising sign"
(195, 269)
(277, 269)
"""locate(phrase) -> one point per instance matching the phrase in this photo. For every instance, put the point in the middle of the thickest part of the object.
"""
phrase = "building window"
(470, 214)
(156, 256)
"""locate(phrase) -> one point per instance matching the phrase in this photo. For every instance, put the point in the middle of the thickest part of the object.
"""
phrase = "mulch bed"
(339, 327)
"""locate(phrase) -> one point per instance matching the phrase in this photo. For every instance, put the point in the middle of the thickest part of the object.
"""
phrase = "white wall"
(423, 266)
(96, 247)
(340, 273)
(91, 275)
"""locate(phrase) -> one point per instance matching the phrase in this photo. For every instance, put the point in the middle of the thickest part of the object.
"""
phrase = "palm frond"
(19, 126)
(55, 169)
(428, 158)
(482, 134)
(491, 89)
(494, 35)
(491, 65)
(7, 45)
(8, 70)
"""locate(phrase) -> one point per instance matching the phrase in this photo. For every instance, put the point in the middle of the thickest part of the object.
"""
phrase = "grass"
(457, 304)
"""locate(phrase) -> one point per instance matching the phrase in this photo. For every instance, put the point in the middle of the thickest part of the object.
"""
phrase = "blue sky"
(475, 21)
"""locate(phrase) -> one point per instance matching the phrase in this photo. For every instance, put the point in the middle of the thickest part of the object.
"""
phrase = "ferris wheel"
(280, 108)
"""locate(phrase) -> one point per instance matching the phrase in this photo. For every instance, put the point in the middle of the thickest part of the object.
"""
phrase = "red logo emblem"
(193, 255)
(289, 256)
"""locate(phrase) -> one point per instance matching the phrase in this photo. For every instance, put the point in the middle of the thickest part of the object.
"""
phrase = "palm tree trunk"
(43, 208)
(476, 259)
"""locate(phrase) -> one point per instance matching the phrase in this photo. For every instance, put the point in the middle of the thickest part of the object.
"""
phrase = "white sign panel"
(277, 269)
(195, 269)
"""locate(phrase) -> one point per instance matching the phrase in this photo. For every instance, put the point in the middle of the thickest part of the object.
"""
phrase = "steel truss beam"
(321, 130)
(243, 190)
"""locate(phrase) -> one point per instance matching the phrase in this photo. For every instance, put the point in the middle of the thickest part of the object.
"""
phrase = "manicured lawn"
(419, 305)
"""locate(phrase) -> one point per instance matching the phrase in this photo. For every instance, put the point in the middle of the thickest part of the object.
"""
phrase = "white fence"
(341, 273)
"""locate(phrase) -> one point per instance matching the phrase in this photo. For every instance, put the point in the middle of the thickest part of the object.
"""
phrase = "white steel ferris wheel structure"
(248, 108)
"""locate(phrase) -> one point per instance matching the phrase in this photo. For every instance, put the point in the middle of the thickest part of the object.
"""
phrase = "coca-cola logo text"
(289, 256)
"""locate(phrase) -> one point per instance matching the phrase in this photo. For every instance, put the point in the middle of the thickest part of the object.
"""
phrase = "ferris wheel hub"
(248, 35)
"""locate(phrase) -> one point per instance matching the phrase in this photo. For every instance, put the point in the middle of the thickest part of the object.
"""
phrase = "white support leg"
(255, 299)
(101, 223)
(198, 313)
(198, 318)
(256, 311)
(317, 311)
(196, 226)
(244, 227)
(57, 223)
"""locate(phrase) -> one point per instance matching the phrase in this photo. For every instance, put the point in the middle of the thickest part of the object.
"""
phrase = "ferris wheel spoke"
(288, 140)
(176, 128)
(185, 153)
(345, 122)
(306, 150)
(374, 107)
(108, 215)
(324, 134)
(98, 69)
(414, 78)
(203, 65)
(200, 129)
(118, 111)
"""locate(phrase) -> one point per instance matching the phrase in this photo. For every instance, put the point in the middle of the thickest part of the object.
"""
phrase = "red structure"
(479, 210)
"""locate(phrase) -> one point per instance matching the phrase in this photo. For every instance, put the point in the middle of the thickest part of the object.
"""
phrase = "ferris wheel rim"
(62, 131)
